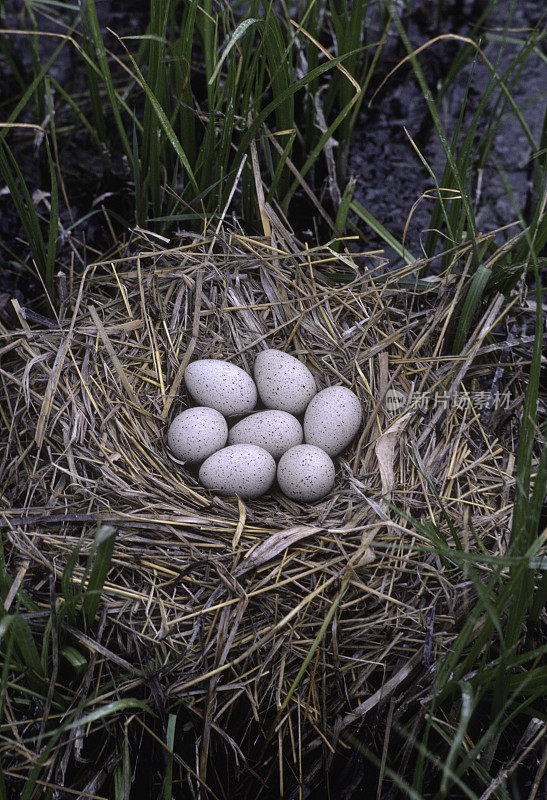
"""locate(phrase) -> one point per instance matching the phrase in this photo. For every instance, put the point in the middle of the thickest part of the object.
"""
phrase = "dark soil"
(391, 177)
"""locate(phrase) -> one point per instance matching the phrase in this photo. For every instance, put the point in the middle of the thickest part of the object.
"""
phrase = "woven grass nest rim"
(237, 595)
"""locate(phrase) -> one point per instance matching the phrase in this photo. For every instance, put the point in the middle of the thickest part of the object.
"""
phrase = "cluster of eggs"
(247, 466)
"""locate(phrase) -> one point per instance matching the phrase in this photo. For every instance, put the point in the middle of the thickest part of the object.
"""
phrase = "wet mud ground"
(390, 176)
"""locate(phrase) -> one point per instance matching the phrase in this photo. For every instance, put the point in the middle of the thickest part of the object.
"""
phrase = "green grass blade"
(349, 25)
(467, 706)
(281, 78)
(170, 742)
(82, 119)
(470, 306)
(451, 212)
(22, 200)
(75, 721)
(314, 154)
(404, 787)
(26, 646)
(100, 52)
(237, 34)
(343, 211)
(6, 635)
(182, 55)
(53, 224)
(6, 582)
(139, 205)
(13, 62)
(477, 767)
(34, 47)
(460, 181)
(317, 641)
(539, 599)
(76, 660)
(282, 160)
(524, 529)
(153, 149)
(259, 119)
(382, 232)
(92, 78)
(524, 685)
(467, 52)
(165, 125)
(101, 556)
(206, 23)
(32, 86)
(67, 584)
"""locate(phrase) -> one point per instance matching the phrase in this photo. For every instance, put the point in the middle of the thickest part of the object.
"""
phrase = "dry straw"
(276, 625)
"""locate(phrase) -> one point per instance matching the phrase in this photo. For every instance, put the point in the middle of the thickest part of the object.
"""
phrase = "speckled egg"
(221, 385)
(197, 433)
(332, 419)
(283, 382)
(275, 431)
(242, 469)
(305, 473)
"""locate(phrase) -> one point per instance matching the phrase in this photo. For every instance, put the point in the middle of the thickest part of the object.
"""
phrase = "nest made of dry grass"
(227, 600)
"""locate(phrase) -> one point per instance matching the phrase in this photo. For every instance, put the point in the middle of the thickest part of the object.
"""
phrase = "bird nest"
(270, 627)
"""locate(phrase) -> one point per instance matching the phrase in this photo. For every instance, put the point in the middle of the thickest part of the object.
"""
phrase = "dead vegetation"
(270, 628)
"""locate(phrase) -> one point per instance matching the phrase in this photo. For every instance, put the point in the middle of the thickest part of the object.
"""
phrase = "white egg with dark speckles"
(275, 431)
(221, 385)
(332, 419)
(305, 473)
(240, 469)
(283, 382)
(197, 433)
